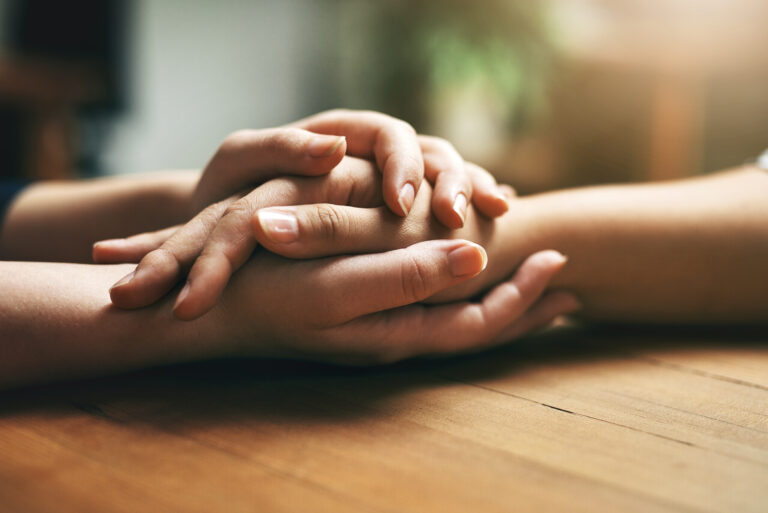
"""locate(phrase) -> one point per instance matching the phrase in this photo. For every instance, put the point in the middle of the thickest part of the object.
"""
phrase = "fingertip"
(132, 291)
(108, 250)
(121, 293)
(190, 305)
(183, 310)
(551, 258)
(187, 307)
(322, 146)
(507, 191)
(273, 227)
(569, 303)
(205, 283)
(277, 224)
(152, 278)
(184, 313)
(324, 153)
(450, 211)
(467, 260)
(538, 269)
(459, 207)
(491, 204)
(405, 198)
(98, 254)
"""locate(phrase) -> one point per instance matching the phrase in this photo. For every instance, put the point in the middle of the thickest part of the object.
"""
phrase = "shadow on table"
(224, 391)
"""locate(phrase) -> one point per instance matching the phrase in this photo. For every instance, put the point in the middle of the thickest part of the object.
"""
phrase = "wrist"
(527, 227)
(150, 335)
(171, 194)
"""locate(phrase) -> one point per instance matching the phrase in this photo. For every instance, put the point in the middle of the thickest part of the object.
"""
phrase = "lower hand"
(360, 309)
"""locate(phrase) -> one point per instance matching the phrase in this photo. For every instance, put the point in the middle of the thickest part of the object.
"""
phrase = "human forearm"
(56, 321)
(59, 221)
(689, 251)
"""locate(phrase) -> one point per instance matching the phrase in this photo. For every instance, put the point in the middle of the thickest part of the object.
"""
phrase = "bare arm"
(57, 321)
(59, 221)
(687, 251)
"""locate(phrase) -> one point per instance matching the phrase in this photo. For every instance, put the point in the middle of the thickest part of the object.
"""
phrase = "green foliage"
(425, 46)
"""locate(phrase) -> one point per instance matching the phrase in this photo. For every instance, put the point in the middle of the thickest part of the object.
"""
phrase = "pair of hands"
(324, 307)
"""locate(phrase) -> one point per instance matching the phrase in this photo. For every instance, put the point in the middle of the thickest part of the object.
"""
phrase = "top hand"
(404, 158)
(248, 158)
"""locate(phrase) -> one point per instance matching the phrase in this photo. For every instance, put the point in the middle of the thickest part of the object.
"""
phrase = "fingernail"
(111, 242)
(572, 305)
(125, 279)
(502, 199)
(182, 296)
(324, 145)
(557, 258)
(460, 206)
(505, 193)
(406, 197)
(279, 224)
(467, 259)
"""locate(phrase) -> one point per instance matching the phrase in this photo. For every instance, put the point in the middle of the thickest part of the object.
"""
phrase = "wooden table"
(605, 419)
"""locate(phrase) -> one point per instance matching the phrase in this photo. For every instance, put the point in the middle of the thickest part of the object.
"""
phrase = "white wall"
(200, 69)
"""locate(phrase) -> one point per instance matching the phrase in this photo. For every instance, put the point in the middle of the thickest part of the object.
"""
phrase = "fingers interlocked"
(219, 240)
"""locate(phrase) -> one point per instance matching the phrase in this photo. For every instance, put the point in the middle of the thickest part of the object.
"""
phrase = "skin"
(218, 241)
(391, 145)
(689, 251)
(60, 221)
(57, 321)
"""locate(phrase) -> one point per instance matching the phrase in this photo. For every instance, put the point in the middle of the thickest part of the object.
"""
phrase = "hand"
(318, 230)
(218, 241)
(250, 157)
(352, 309)
(404, 157)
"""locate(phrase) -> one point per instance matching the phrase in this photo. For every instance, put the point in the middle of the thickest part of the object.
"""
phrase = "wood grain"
(600, 419)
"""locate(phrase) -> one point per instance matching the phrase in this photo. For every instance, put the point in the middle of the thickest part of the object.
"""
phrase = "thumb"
(251, 157)
(369, 283)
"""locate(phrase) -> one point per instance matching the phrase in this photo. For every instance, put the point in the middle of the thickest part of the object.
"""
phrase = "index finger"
(392, 142)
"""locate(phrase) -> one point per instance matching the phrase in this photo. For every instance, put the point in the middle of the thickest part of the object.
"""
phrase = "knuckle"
(341, 187)
(414, 279)
(235, 228)
(210, 215)
(444, 146)
(162, 259)
(383, 120)
(330, 222)
(281, 139)
(353, 184)
(405, 126)
(238, 209)
(236, 140)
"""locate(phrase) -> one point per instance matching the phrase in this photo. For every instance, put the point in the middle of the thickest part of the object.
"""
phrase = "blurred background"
(543, 93)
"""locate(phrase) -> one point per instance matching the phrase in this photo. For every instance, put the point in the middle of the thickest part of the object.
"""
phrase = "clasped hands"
(335, 232)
